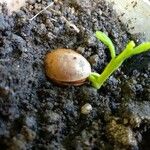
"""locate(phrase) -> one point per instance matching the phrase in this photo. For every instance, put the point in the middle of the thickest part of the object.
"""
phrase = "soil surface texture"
(36, 114)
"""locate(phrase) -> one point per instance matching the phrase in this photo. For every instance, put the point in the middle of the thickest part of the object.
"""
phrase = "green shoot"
(96, 79)
(107, 41)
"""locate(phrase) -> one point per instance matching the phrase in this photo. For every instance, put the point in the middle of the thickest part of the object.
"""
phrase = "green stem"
(113, 65)
(96, 79)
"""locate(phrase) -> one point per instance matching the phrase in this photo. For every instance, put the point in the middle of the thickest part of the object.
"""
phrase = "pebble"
(80, 50)
(94, 59)
(86, 109)
(50, 36)
(91, 41)
(49, 23)
(36, 5)
(30, 7)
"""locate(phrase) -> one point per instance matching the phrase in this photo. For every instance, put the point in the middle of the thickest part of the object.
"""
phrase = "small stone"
(94, 59)
(40, 7)
(135, 121)
(49, 24)
(42, 26)
(36, 6)
(50, 36)
(30, 7)
(80, 50)
(91, 41)
(86, 109)
(72, 10)
(87, 54)
(145, 75)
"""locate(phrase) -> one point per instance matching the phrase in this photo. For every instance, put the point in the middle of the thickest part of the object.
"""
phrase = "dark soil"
(37, 114)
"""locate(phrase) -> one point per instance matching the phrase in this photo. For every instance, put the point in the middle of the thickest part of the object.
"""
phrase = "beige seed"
(67, 67)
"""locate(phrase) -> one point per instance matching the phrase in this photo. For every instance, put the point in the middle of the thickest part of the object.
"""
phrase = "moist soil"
(37, 114)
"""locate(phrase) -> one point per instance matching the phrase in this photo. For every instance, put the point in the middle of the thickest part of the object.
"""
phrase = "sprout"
(96, 79)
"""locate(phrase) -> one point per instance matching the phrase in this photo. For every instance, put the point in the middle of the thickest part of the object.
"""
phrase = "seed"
(67, 67)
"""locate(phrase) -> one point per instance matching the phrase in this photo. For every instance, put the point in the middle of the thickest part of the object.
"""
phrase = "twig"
(51, 4)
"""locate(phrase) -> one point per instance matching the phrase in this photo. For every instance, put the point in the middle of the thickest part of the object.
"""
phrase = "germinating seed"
(66, 67)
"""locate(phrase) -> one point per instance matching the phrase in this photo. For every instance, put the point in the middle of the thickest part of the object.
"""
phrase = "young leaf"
(107, 41)
(127, 52)
(141, 48)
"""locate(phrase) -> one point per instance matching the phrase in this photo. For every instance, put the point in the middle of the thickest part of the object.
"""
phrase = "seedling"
(98, 80)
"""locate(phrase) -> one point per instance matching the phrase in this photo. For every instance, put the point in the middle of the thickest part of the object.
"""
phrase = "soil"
(38, 114)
